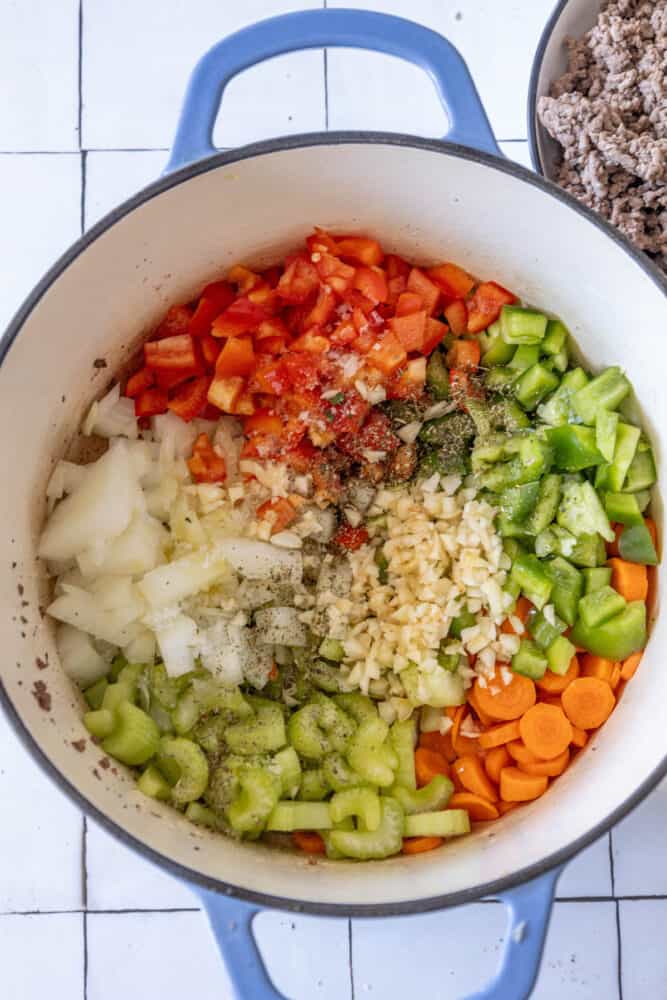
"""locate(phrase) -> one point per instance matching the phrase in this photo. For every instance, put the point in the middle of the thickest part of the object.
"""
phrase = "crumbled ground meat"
(609, 114)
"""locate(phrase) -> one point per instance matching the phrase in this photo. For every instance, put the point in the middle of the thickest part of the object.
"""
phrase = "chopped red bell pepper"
(323, 309)
(485, 303)
(210, 349)
(270, 377)
(299, 280)
(273, 327)
(244, 405)
(143, 379)
(240, 317)
(387, 353)
(150, 402)
(462, 387)
(321, 242)
(271, 345)
(190, 401)
(396, 267)
(243, 278)
(177, 320)
(302, 369)
(434, 333)
(279, 511)
(214, 299)
(452, 280)
(169, 378)
(372, 283)
(456, 314)
(360, 249)
(395, 288)
(312, 342)
(464, 354)
(375, 435)
(344, 333)
(409, 382)
(350, 538)
(237, 357)
(171, 352)
(409, 302)
(224, 392)
(263, 421)
(348, 415)
(420, 284)
(272, 275)
(334, 273)
(206, 466)
(410, 330)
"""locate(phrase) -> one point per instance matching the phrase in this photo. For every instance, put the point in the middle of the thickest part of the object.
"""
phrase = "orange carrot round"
(505, 807)
(498, 735)
(440, 742)
(551, 768)
(505, 702)
(579, 737)
(495, 760)
(550, 699)
(462, 744)
(597, 666)
(485, 719)
(308, 841)
(517, 786)
(417, 845)
(428, 763)
(588, 702)
(519, 752)
(546, 730)
(556, 683)
(473, 778)
(479, 809)
(629, 667)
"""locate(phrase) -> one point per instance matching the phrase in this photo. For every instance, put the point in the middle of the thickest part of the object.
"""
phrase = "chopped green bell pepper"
(567, 587)
(617, 638)
(627, 439)
(542, 630)
(623, 508)
(605, 391)
(574, 447)
(555, 338)
(606, 426)
(599, 576)
(559, 655)
(530, 660)
(529, 573)
(582, 513)
(636, 545)
(641, 474)
(523, 358)
(534, 384)
(546, 506)
(599, 606)
(522, 326)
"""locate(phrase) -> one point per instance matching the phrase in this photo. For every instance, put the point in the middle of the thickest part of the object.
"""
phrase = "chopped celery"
(403, 737)
(530, 575)
(435, 795)
(534, 384)
(599, 606)
(262, 733)
(559, 361)
(546, 506)
(559, 655)
(599, 576)
(448, 661)
(325, 676)
(134, 738)
(522, 326)
(371, 755)
(153, 784)
(318, 728)
(381, 843)
(209, 732)
(358, 705)
(636, 545)
(332, 853)
(606, 426)
(192, 767)
(582, 513)
(498, 379)
(288, 816)
(616, 638)
(567, 588)
(438, 688)
(288, 768)
(574, 447)
(446, 823)
(94, 694)
(118, 693)
(200, 815)
(256, 798)
(481, 415)
(605, 391)
(363, 803)
(555, 338)
(117, 665)
(332, 649)
(627, 439)
(530, 660)
(494, 349)
(338, 774)
(314, 785)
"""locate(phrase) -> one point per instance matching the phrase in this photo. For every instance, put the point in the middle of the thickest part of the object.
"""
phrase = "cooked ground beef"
(609, 114)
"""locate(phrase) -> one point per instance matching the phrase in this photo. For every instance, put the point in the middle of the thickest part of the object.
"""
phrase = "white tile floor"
(77, 135)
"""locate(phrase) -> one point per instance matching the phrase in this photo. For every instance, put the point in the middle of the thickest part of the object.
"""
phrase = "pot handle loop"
(231, 922)
(529, 908)
(327, 28)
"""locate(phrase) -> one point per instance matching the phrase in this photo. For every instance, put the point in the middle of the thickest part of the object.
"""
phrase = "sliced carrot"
(506, 807)
(498, 735)
(629, 579)
(478, 809)
(551, 768)
(629, 666)
(556, 683)
(505, 702)
(473, 778)
(521, 611)
(588, 702)
(485, 719)
(495, 760)
(308, 841)
(546, 731)
(428, 763)
(462, 744)
(597, 666)
(417, 845)
(517, 786)
(440, 742)
(519, 752)
(579, 737)
(615, 676)
(550, 699)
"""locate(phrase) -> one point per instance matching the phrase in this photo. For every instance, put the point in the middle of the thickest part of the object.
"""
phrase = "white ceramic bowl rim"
(497, 886)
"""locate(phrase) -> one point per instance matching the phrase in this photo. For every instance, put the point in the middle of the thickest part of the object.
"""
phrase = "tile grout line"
(350, 958)
(84, 176)
(80, 74)
(612, 872)
(325, 57)
(619, 954)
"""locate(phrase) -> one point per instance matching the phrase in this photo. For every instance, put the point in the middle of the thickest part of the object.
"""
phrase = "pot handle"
(529, 908)
(328, 28)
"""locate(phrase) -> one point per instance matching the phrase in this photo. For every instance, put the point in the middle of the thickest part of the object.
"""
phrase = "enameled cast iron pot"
(428, 200)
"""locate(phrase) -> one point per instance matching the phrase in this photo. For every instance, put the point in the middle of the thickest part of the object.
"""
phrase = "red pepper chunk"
(263, 422)
(452, 280)
(408, 303)
(177, 320)
(372, 283)
(171, 352)
(280, 512)
(456, 314)
(350, 538)
(299, 280)
(206, 466)
(143, 379)
(464, 354)
(214, 299)
(410, 330)
(485, 303)
(334, 273)
(434, 333)
(387, 353)
(225, 392)
(236, 358)
(150, 402)
(190, 401)
(421, 285)
(360, 249)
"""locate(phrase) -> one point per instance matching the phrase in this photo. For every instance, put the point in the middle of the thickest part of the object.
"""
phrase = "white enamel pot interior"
(429, 202)
(570, 19)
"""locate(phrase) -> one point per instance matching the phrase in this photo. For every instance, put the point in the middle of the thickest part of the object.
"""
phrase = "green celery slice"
(381, 843)
(289, 816)
(176, 752)
(135, 738)
(446, 823)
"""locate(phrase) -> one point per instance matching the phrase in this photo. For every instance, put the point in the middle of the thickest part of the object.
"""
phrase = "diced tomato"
(279, 511)
(372, 283)
(321, 242)
(240, 317)
(387, 353)
(464, 354)
(224, 392)
(344, 333)
(434, 333)
(210, 348)
(272, 275)
(360, 249)
(349, 414)
(176, 321)
(143, 379)
(206, 466)
(210, 412)
(350, 538)
(359, 302)
(299, 280)
(169, 378)
(453, 281)
(150, 402)
(395, 288)
(485, 304)
(323, 309)
(410, 330)
(421, 285)
(457, 316)
(302, 369)
(215, 298)
(263, 422)
(270, 377)
(396, 267)
(409, 302)
(190, 401)
(171, 352)
(236, 358)
(334, 273)
(312, 342)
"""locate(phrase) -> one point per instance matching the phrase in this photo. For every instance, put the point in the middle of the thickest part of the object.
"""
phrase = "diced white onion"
(169, 584)
(112, 416)
(439, 409)
(410, 432)
(78, 656)
(177, 641)
(260, 560)
(280, 626)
